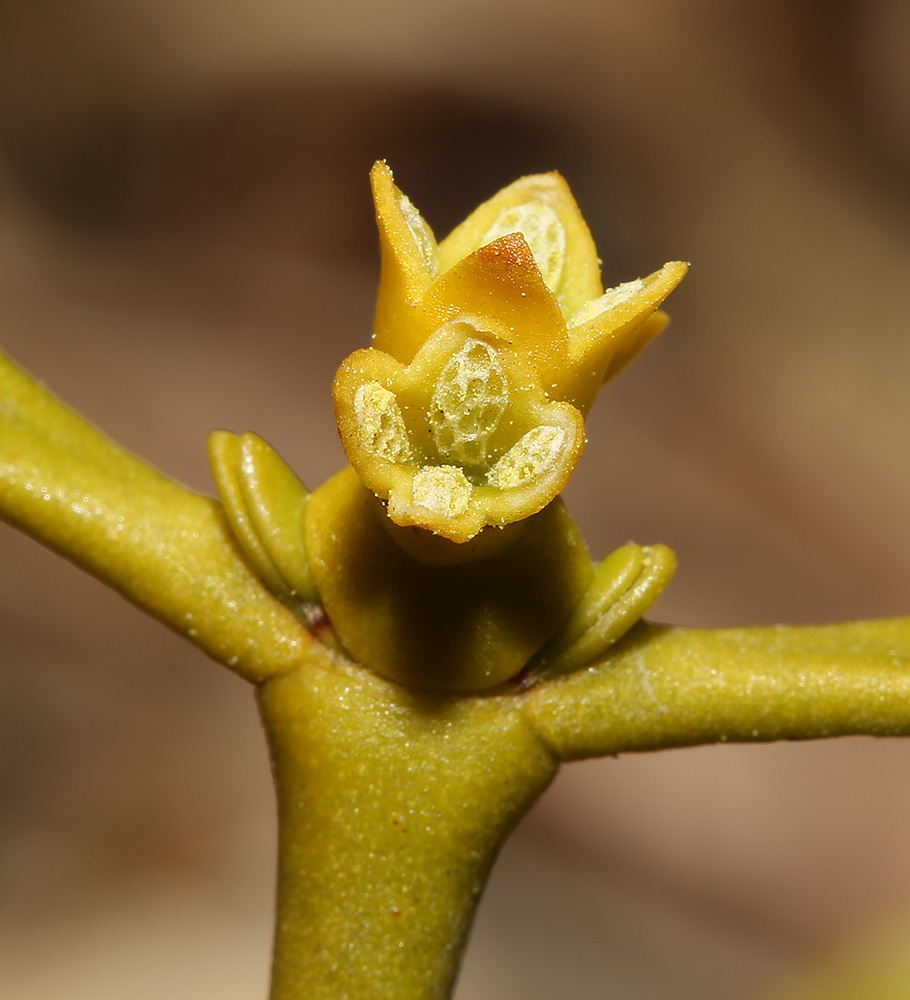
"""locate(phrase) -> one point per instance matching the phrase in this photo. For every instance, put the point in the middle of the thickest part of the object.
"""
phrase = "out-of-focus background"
(186, 243)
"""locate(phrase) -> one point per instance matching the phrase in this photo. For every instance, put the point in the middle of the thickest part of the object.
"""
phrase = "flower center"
(468, 402)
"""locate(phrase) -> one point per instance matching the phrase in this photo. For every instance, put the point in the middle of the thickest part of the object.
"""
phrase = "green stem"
(392, 811)
(165, 548)
(662, 687)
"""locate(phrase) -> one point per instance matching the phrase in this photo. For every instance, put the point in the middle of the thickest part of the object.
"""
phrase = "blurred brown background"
(186, 243)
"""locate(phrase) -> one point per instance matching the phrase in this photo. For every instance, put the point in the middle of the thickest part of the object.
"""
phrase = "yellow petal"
(408, 263)
(615, 325)
(500, 288)
(370, 420)
(542, 208)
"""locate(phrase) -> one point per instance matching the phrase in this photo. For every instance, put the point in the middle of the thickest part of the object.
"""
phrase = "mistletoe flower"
(488, 350)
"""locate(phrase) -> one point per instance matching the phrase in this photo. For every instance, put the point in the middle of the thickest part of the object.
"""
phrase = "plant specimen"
(427, 634)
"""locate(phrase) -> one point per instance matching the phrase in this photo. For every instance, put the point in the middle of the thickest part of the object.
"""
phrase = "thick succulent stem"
(392, 811)
(165, 548)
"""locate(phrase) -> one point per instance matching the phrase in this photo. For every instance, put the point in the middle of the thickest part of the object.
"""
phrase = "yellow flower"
(488, 349)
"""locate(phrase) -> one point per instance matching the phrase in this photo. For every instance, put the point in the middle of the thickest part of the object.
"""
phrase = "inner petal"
(380, 422)
(441, 489)
(469, 399)
(610, 299)
(531, 455)
(421, 233)
(545, 234)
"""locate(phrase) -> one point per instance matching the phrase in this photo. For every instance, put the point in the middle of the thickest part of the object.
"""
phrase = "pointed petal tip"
(676, 268)
(512, 248)
(380, 172)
